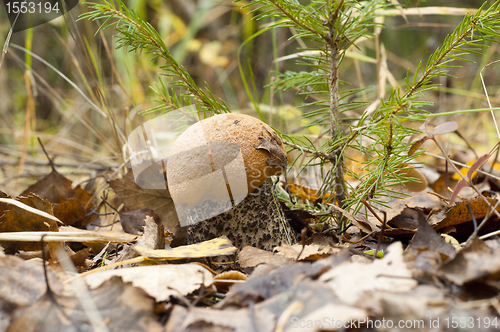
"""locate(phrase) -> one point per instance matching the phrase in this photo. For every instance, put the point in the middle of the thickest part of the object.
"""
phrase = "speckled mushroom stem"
(257, 221)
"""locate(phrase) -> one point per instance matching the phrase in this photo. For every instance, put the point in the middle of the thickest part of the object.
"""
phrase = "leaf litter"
(139, 282)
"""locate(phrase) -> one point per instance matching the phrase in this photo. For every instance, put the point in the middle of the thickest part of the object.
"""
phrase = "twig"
(303, 235)
(51, 163)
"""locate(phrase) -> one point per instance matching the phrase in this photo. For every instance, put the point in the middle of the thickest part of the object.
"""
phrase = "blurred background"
(36, 101)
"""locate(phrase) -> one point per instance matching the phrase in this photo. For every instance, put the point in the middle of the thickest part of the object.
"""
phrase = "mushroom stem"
(257, 221)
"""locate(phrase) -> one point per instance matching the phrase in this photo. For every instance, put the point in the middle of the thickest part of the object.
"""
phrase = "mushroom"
(217, 173)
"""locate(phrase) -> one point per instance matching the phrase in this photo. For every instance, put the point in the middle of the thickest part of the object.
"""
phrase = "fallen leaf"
(206, 320)
(311, 252)
(324, 314)
(120, 306)
(267, 281)
(458, 213)
(251, 257)
(475, 262)
(154, 235)
(294, 306)
(56, 189)
(427, 250)
(367, 227)
(133, 221)
(444, 128)
(417, 305)
(73, 212)
(305, 192)
(23, 283)
(159, 281)
(350, 281)
(392, 206)
(416, 145)
(136, 198)
(220, 246)
(27, 214)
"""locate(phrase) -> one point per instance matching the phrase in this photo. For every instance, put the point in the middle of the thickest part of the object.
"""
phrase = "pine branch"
(136, 34)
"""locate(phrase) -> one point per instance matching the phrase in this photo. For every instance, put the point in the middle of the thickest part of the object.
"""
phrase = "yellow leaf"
(216, 247)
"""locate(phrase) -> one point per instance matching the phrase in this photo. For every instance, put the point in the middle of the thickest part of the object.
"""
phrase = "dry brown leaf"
(226, 279)
(420, 303)
(267, 281)
(445, 128)
(395, 206)
(350, 281)
(427, 250)
(207, 320)
(311, 252)
(18, 219)
(251, 257)
(154, 235)
(133, 221)
(416, 145)
(23, 283)
(294, 306)
(475, 262)
(56, 189)
(358, 222)
(458, 213)
(73, 212)
(231, 275)
(136, 198)
(159, 281)
(121, 307)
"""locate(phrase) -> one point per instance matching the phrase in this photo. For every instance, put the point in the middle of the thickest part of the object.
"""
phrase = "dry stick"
(47, 155)
(486, 218)
(462, 165)
(49, 291)
(34, 163)
(474, 221)
(30, 111)
(463, 177)
(372, 210)
(494, 161)
(358, 241)
(467, 143)
(202, 289)
(470, 184)
(439, 196)
(303, 235)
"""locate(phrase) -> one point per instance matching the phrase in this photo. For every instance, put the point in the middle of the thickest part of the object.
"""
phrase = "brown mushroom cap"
(216, 143)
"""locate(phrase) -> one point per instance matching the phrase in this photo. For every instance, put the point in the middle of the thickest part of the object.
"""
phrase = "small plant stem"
(463, 177)
(333, 83)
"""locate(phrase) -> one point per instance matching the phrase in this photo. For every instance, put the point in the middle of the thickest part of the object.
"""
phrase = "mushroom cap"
(220, 156)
